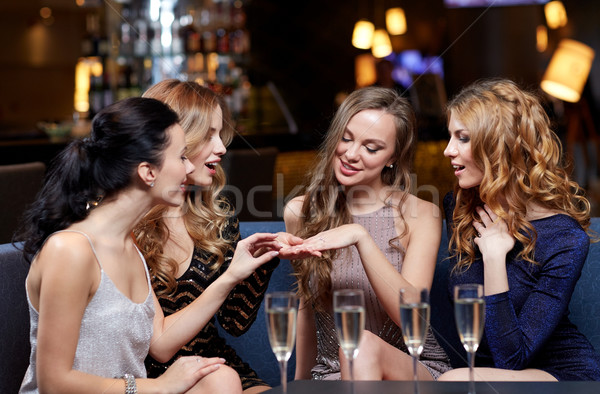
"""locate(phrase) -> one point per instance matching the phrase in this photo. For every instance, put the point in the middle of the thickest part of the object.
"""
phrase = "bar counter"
(406, 387)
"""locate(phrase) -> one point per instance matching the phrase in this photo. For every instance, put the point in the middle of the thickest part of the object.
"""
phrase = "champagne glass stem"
(471, 357)
(415, 379)
(351, 366)
(283, 366)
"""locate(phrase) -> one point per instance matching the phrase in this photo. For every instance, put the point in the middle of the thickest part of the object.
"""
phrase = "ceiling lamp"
(556, 15)
(395, 21)
(364, 70)
(382, 46)
(541, 38)
(362, 36)
(568, 70)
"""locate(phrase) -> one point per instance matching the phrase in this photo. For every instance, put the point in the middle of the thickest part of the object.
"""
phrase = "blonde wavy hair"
(522, 163)
(325, 204)
(205, 212)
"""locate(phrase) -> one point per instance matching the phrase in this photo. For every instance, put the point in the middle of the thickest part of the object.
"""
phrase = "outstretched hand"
(292, 247)
(336, 238)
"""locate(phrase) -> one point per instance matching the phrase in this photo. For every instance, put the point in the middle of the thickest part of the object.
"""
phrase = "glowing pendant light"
(395, 21)
(382, 46)
(556, 15)
(362, 36)
(568, 70)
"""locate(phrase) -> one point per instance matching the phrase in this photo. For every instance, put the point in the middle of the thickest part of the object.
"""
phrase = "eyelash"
(184, 158)
(370, 150)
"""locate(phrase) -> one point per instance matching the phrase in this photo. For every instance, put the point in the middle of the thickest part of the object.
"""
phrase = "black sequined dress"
(236, 315)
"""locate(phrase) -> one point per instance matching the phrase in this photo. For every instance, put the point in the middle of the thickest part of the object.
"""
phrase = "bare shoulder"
(415, 209)
(66, 251)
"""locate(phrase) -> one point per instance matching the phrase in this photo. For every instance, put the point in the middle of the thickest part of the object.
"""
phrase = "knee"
(459, 374)
(223, 380)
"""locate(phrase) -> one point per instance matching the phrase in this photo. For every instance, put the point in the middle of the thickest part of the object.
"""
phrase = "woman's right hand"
(251, 253)
(185, 372)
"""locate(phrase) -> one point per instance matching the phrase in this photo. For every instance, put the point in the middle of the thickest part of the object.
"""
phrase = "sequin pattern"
(348, 272)
(529, 326)
(236, 315)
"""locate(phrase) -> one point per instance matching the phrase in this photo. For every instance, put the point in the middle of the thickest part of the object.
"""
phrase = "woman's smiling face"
(367, 145)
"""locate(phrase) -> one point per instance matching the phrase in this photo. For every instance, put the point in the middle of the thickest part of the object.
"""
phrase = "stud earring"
(152, 184)
(391, 166)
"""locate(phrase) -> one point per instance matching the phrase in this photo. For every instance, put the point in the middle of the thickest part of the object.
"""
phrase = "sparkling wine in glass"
(282, 310)
(414, 317)
(349, 316)
(469, 312)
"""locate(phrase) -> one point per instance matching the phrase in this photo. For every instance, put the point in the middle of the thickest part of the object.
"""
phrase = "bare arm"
(172, 332)
(421, 243)
(62, 281)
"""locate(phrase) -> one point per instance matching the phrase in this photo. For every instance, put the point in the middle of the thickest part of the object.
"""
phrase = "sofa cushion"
(253, 347)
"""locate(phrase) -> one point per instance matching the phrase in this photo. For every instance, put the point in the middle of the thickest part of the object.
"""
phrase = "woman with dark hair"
(94, 316)
(517, 224)
(375, 236)
(188, 247)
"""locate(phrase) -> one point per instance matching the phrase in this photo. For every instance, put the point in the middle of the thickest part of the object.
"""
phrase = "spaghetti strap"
(89, 240)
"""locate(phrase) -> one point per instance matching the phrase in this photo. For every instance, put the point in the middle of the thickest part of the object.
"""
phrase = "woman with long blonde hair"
(189, 247)
(517, 225)
(373, 234)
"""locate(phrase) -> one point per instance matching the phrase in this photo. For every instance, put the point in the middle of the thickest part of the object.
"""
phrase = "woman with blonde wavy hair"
(188, 248)
(373, 234)
(517, 225)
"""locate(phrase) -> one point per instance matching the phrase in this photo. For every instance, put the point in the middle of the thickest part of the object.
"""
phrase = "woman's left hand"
(493, 236)
(292, 247)
(335, 238)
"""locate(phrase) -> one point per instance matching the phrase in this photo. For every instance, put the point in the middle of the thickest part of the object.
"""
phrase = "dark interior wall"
(37, 63)
(303, 47)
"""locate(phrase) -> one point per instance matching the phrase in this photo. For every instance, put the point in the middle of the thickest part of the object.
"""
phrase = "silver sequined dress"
(114, 337)
(348, 272)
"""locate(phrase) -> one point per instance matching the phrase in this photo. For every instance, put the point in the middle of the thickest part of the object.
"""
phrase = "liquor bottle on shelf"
(141, 42)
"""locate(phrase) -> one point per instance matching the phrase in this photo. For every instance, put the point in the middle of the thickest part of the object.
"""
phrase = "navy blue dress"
(528, 326)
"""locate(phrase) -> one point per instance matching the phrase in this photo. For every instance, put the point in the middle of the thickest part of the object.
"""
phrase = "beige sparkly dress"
(348, 272)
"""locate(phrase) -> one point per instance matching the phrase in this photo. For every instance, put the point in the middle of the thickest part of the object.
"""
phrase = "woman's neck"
(365, 199)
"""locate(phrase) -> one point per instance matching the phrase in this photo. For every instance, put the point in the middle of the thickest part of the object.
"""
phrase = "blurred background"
(284, 66)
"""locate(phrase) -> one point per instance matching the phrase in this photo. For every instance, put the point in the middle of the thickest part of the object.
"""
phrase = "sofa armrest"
(14, 324)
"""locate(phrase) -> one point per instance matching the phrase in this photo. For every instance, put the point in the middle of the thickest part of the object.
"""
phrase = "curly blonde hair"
(205, 212)
(325, 204)
(522, 163)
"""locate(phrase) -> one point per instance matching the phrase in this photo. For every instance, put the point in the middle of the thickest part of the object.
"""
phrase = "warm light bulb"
(364, 70)
(362, 36)
(395, 21)
(568, 70)
(541, 40)
(382, 45)
(556, 15)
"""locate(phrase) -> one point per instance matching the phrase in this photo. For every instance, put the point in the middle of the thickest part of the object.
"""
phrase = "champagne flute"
(469, 312)
(414, 317)
(349, 316)
(282, 310)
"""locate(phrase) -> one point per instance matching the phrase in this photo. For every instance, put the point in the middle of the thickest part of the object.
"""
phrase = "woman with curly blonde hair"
(517, 225)
(374, 235)
(188, 248)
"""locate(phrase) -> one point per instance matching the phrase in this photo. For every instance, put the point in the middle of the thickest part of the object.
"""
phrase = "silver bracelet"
(130, 386)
